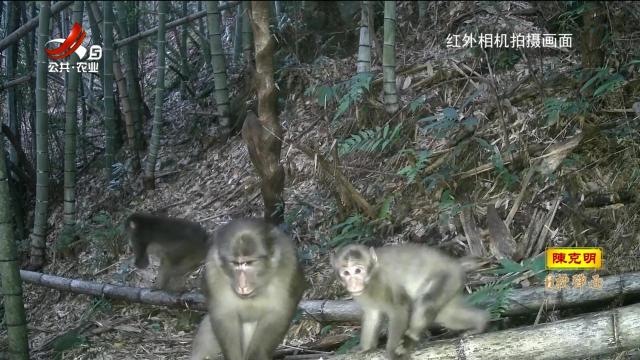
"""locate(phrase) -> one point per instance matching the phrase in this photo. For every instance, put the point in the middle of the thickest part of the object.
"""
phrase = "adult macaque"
(253, 286)
(180, 244)
(205, 346)
(413, 286)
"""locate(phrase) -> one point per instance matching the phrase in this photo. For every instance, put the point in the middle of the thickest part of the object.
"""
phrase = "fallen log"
(589, 335)
(521, 301)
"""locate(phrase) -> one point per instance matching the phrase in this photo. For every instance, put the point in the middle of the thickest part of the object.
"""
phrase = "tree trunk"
(31, 65)
(389, 58)
(95, 21)
(204, 41)
(133, 87)
(107, 85)
(13, 14)
(14, 315)
(422, 11)
(363, 64)
(247, 38)
(237, 33)
(183, 45)
(263, 135)
(150, 166)
(277, 5)
(16, 190)
(219, 68)
(81, 139)
(39, 234)
(70, 133)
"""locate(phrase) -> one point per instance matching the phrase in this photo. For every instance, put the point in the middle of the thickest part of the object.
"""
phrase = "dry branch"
(521, 301)
(170, 25)
(31, 25)
(594, 334)
(344, 184)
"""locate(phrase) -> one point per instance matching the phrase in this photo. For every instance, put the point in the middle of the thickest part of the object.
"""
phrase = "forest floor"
(212, 185)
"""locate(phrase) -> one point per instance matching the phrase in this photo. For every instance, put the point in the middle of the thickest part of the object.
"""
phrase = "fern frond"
(370, 140)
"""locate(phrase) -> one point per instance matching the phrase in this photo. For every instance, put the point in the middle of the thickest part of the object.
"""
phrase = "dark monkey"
(180, 244)
(253, 285)
(411, 285)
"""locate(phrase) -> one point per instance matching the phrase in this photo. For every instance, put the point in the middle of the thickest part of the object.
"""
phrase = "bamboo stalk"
(170, 25)
(589, 335)
(31, 25)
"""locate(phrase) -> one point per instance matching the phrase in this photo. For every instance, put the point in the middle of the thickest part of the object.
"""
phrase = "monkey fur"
(180, 244)
(412, 286)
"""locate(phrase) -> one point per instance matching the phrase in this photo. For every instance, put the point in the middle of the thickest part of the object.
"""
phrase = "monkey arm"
(371, 321)
(228, 331)
(205, 345)
(269, 332)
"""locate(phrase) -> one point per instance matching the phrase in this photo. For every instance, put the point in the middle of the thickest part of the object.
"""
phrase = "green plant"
(441, 124)
(370, 140)
(498, 164)
(554, 108)
(67, 341)
(506, 59)
(603, 82)
(495, 295)
(384, 212)
(569, 20)
(324, 94)
(353, 230)
(74, 338)
(107, 239)
(351, 343)
(345, 93)
(68, 237)
(417, 103)
(410, 172)
(358, 85)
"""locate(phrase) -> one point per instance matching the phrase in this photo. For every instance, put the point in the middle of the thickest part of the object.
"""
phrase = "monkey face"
(354, 276)
(246, 273)
(354, 264)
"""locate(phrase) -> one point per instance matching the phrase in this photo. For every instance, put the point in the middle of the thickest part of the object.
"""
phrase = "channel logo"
(73, 43)
(88, 58)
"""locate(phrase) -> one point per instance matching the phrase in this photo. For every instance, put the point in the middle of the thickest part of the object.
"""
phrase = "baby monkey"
(180, 244)
(411, 285)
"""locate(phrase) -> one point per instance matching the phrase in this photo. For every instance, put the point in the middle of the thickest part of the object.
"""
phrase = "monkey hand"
(411, 336)
(400, 353)
(404, 349)
(409, 342)
(364, 351)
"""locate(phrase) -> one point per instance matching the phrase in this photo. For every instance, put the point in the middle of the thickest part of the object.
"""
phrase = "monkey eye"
(345, 273)
(358, 271)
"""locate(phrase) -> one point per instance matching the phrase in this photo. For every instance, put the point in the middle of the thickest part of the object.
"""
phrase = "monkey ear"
(374, 257)
(332, 258)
